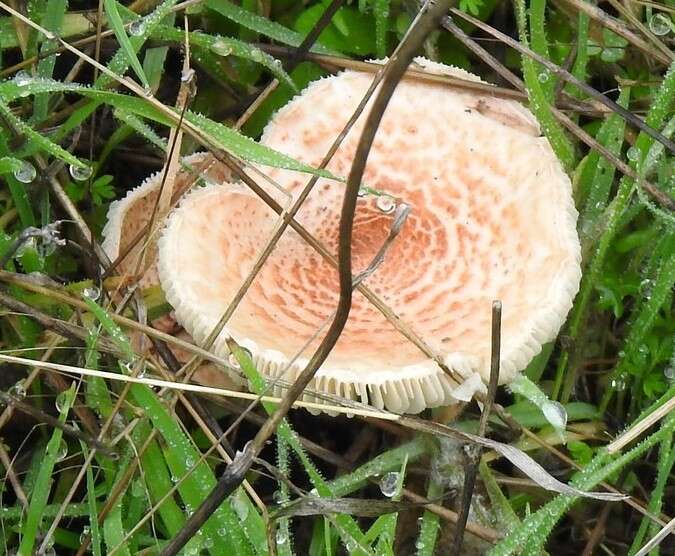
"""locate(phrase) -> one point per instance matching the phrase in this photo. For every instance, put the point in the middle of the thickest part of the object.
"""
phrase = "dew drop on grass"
(233, 361)
(386, 204)
(92, 293)
(22, 78)
(25, 173)
(60, 401)
(85, 534)
(633, 154)
(543, 77)
(388, 484)
(669, 373)
(555, 414)
(137, 28)
(239, 506)
(137, 489)
(619, 383)
(282, 536)
(62, 451)
(18, 390)
(221, 47)
(80, 173)
(659, 24)
(257, 56)
(362, 192)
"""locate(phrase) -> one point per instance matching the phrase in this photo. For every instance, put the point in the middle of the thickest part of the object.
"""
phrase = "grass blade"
(41, 490)
(115, 21)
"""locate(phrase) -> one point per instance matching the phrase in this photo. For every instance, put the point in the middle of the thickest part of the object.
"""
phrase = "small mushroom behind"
(492, 218)
(127, 218)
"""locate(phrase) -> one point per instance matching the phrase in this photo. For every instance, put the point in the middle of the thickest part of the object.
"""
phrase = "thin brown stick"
(13, 479)
(475, 451)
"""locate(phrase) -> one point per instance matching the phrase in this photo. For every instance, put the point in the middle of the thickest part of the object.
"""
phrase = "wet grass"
(85, 113)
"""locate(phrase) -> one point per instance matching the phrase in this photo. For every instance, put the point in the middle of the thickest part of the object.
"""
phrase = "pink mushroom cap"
(492, 218)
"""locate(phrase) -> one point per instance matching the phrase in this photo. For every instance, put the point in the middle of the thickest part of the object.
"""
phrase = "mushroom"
(492, 218)
(127, 218)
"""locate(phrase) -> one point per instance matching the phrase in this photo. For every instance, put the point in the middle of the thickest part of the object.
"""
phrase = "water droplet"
(282, 536)
(137, 489)
(48, 35)
(80, 173)
(189, 461)
(386, 204)
(420, 545)
(85, 534)
(208, 542)
(660, 24)
(62, 451)
(221, 48)
(239, 506)
(555, 414)
(60, 401)
(619, 383)
(669, 373)
(543, 77)
(187, 75)
(18, 390)
(362, 192)
(257, 55)
(26, 173)
(92, 293)
(137, 28)
(233, 361)
(22, 78)
(633, 154)
(388, 484)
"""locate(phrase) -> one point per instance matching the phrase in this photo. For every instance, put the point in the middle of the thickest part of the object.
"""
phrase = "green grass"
(611, 366)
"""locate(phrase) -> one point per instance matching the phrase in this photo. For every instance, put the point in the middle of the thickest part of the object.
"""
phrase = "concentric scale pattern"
(492, 218)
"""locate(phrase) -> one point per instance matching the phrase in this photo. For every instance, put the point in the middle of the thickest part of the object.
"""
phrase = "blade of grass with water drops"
(660, 281)
(52, 21)
(381, 13)
(539, 102)
(597, 175)
(223, 533)
(94, 530)
(37, 141)
(226, 46)
(384, 529)
(43, 481)
(220, 135)
(117, 25)
(261, 25)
